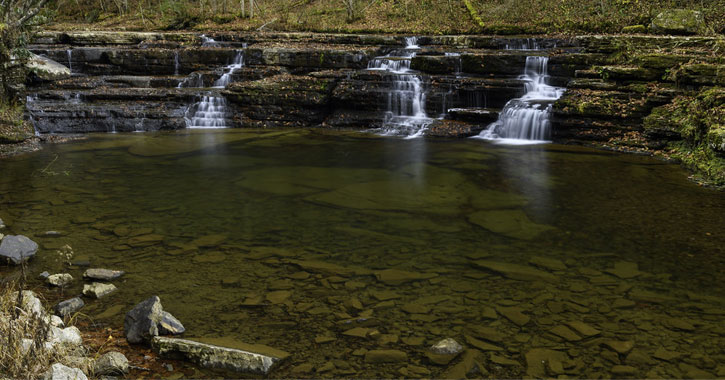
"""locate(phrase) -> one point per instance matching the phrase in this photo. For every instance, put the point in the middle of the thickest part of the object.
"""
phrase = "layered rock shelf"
(131, 81)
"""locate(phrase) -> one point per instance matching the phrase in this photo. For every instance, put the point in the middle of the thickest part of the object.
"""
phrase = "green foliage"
(474, 13)
(177, 14)
(700, 122)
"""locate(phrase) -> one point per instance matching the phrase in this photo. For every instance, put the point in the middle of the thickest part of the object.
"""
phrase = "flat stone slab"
(397, 277)
(512, 223)
(516, 272)
(103, 274)
(385, 356)
(218, 357)
(17, 249)
(98, 289)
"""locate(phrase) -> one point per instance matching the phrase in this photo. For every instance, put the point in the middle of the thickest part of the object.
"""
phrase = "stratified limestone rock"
(217, 357)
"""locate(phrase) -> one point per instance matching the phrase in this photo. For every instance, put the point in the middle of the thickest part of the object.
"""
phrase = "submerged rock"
(537, 360)
(515, 271)
(385, 356)
(397, 277)
(217, 357)
(444, 351)
(102, 274)
(512, 223)
(17, 249)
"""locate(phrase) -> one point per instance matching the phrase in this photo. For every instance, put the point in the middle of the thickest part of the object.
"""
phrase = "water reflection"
(527, 167)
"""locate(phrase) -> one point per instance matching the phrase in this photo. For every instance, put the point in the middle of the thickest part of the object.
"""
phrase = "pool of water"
(292, 238)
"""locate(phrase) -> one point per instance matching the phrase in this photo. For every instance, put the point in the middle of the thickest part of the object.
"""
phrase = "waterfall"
(458, 65)
(525, 120)
(208, 41)
(211, 112)
(405, 114)
(523, 44)
(69, 53)
(176, 62)
(226, 78)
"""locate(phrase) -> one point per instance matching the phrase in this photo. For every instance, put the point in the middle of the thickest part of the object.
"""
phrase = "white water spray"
(226, 78)
(211, 112)
(405, 115)
(525, 120)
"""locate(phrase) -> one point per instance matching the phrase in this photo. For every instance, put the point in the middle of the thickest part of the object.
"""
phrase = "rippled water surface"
(293, 238)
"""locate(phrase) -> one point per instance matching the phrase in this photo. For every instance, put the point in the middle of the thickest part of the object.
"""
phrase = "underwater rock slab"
(512, 223)
(295, 180)
(515, 271)
(217, 357)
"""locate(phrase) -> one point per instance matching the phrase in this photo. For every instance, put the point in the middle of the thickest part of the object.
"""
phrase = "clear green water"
(274, 201)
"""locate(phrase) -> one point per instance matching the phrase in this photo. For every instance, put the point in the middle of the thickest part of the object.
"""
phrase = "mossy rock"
(678, 21)
(701, 74)
(661, 61)
(634, 29)
(715, 138)
(658, 125)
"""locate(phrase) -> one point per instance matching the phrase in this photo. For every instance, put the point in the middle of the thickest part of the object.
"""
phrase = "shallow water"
(282, 237)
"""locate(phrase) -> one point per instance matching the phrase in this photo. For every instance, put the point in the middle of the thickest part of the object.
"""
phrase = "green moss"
(13, 128)
(634, 29)
(474, 13)
(699, 121)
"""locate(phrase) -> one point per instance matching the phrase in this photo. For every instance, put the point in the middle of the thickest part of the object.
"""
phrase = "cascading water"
(523, 44)
(405, 115)
(69, 53)
(176, 62)
(212, 111)
(208, 41)
(226, 78)
(525, 120)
